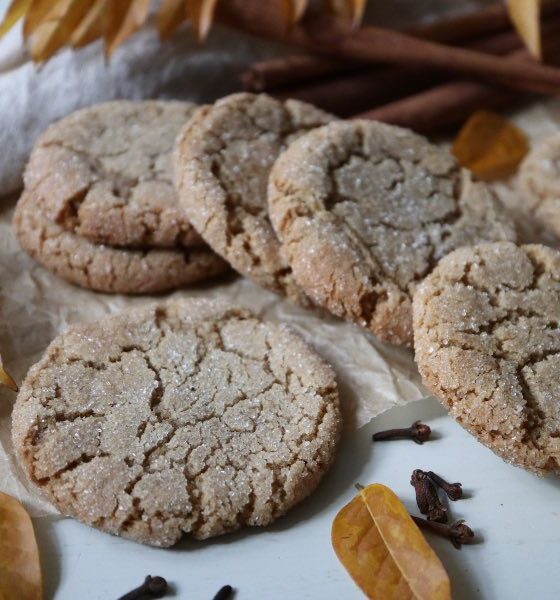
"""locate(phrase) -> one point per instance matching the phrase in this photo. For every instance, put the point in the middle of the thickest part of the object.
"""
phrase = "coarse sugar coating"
(364, 212)
(106, 269)
(187, 417)
(487, 342)
(222, 161)
(105, 174)
(539, 183)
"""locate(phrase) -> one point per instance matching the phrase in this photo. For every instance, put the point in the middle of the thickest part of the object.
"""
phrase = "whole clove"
(458, 532)
(224, 593)
(427, 497)
(454, 491)
(153, 587)
(418, 432)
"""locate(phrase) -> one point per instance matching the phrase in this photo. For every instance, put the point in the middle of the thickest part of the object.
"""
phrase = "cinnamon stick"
(448, 103)
(325, 36)
(284, 71)
(344, 96)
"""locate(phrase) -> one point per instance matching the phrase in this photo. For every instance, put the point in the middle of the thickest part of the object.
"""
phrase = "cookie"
(106, 269)
(188, 417)
(365, 210)
(105, 174)
(539, 184)
(487, 340)
(222, 161)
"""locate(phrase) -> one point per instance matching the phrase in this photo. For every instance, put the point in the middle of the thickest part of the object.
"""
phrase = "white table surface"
(516, 514)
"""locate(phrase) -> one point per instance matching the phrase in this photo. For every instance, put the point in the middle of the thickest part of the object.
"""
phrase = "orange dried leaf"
(384, 551)
(490, 146)
(15, 12)
(56, 29)
(92, 26)
(20, 570)
(35, 15)
(170, 16)
(134, 17)
(6, 379)
(525, 15)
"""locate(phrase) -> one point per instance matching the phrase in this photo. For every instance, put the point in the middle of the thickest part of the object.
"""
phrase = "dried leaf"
(490, 146)
(15, 12)
(350, 9)
(6, 379)
(56, 29)
(36, 14)
(92, 26)
(201, 13)
(384, 551)
(293, 10)
(20, 569)
(170, 16)
(525, 15)
(128, 17)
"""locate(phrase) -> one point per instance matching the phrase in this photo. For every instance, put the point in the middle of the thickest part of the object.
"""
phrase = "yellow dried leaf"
(56, 29)
(384, 551)
(490, 146)
(92, 26)
(15, 12)
(35, 15)
(6, 379)
(525, 15)
(128, 17)
(20, 569)
(170, 16)
(201, 13)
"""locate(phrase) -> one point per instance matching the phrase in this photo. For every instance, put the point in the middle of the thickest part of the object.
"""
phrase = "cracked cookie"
(365, 210)
(105, 174)
(222, 161)
(187, 417)
(487, 340)
(539, 183)
(106, 269)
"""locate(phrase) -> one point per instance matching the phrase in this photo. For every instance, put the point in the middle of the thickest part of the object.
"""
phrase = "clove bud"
(458, 532)
(454, 491)
(153, 587)
(427, 498)
(224, 593)
(418, 432)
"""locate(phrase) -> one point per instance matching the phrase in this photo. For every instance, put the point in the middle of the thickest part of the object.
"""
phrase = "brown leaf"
(171, 14)
(15, 12)
(201, 13)
(56, 29)
(126, 18)
(92, 26)
(525, 15)
(490, 146)
(384, 551)
(20, 569)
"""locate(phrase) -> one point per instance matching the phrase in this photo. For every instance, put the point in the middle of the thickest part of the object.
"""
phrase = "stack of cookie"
(99, 207)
